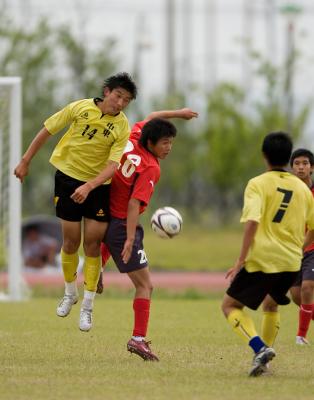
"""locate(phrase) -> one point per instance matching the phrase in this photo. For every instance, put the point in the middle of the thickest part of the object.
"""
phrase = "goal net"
(11, 281)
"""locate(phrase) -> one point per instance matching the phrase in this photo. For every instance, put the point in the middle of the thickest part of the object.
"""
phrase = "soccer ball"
(166, 222)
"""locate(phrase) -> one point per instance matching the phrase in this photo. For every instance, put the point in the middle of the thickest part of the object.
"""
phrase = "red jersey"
(136, 176)
(311, 246)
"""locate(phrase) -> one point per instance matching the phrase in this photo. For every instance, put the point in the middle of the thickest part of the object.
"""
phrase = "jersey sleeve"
(61, 119)
(252, 209)
(120, 143)
(137, 130)
(145, 184)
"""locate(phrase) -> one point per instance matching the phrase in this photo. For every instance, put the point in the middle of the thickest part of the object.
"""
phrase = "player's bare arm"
(248, 237)
(309, 238)
(183, 113)
(40, 139)
(132, 221)
(80, 194)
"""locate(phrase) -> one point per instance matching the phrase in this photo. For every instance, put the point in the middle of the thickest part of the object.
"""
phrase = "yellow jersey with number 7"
(283, 206)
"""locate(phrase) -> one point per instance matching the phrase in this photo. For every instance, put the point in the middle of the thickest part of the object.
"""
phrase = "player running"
(277, 206)
(131, 189)
(302, 164)
(86, 158)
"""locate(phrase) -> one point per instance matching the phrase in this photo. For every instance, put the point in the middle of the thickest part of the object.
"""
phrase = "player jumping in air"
(86, 158)
(277, 206)
(131, 189)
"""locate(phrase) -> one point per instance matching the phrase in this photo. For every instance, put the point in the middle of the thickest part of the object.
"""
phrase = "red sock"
(305, 316)
(141, 316)
(105, 254)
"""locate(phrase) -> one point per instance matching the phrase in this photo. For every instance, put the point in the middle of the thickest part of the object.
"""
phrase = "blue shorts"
(115, 238)
(307, 269)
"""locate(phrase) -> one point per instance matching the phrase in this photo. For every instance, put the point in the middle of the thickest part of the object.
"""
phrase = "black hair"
(277, 148)
(121, 80)
(156, 129)
(302, 153)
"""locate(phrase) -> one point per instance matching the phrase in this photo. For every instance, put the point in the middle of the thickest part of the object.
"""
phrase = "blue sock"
(256, 343)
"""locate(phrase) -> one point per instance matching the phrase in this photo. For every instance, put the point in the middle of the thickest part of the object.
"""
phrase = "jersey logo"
(108, 129)
(100, 213)
(85, 115)
(56, 199)
(152, 183)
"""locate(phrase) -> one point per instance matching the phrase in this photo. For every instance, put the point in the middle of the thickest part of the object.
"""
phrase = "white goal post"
(10, 187)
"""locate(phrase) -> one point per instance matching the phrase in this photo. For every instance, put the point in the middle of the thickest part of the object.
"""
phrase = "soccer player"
(131, 189)
(86, 158)
(277, 206)
(302, 291)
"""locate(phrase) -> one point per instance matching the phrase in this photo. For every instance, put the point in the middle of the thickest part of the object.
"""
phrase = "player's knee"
(70, 246)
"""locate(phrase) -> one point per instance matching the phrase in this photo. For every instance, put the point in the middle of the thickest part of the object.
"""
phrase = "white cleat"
(86, 320)
(301, 340)
(66, 304)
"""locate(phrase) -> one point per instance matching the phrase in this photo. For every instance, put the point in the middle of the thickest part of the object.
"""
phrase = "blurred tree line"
(211, 161)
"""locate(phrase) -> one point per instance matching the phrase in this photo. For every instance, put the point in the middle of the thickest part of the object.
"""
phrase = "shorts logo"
(56, 199)
(100, 213)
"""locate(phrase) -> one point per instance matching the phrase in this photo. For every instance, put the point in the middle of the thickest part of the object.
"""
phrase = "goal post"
(10, 186)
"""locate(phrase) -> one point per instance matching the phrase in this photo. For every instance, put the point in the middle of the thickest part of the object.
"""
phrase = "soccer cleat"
(301, 340)
(142, 349)
(100, 285)
(66, 304)
(86, 320)
(260, 361)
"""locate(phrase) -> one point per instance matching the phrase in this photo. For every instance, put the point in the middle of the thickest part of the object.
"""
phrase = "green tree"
(234, 132)
(56, 68)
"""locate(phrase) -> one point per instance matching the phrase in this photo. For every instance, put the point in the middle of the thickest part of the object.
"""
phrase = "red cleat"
(142, 349)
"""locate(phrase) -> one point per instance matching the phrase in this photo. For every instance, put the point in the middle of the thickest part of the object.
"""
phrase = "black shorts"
(115, 238)
(96, 205)
(250, 288)
(307, 269)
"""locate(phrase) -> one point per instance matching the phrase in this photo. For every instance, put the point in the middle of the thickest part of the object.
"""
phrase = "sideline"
(175, 281)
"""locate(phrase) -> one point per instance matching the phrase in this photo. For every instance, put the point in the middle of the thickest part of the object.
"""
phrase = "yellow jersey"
(282, 205)
(90, 142)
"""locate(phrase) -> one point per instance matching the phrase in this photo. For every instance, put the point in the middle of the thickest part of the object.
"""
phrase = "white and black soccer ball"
(166, 222)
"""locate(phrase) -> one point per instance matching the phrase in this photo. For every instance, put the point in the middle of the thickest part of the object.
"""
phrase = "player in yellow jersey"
(277, 206)
(86, 158)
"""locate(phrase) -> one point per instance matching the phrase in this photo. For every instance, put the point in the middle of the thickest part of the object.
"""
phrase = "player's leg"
(69, 259)
(105, 255)
(306, 310)
(248, 289)
(70, 215)
(93, 234)
(270, 321)
(141, 307)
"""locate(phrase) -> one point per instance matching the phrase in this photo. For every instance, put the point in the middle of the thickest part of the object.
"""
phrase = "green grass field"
(46, 357)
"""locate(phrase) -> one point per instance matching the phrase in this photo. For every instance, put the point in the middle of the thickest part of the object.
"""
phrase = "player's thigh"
(71, 232)
(249, 288)
(93, 234)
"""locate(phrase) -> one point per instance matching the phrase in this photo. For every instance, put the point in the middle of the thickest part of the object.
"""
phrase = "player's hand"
(187, 113)
(232, 272)
(21, 170)
(81, 193)
(127, 250)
